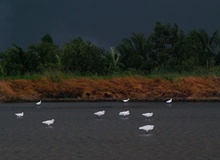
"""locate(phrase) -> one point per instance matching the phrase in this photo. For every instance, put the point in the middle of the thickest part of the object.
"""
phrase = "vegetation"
(114, 89)
(167, 51)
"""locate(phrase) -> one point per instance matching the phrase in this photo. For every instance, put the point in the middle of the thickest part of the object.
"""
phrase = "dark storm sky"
(104, 22)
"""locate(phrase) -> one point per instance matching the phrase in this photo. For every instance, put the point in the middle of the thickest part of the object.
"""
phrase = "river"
(182, 131)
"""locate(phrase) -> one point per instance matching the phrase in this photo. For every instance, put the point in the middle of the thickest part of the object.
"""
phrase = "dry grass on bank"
(135, 88)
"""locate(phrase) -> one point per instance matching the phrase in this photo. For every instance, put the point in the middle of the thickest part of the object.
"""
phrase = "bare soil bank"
(116, 89)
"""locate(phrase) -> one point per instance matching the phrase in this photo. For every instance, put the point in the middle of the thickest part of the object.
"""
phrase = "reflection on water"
(182, 131)
(124, 118)
(146, 135)
(169, 105)
(49, 127)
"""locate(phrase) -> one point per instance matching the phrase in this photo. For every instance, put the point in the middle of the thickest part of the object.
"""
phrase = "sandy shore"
(116, 89)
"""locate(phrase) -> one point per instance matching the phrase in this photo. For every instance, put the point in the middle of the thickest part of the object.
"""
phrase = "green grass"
(58, 76)
(26, 77)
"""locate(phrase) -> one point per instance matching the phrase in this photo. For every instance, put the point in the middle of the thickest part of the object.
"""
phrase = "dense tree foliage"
(15, 61)
(164, 45)
(167, 49)
(82, 57)
(47, 54)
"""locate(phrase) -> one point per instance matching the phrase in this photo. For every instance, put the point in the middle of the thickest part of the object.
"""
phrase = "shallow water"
(182, 131)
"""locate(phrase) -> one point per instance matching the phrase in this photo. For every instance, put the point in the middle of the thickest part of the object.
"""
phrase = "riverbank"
(115, 89)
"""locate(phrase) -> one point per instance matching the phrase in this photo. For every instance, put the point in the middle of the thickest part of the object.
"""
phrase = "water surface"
(182, 131)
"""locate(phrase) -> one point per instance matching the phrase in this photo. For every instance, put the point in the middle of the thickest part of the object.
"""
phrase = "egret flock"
(98, 114)
(47, 122)
(124, 114)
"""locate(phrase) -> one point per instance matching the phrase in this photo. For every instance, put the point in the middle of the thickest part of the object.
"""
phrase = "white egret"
(38, 103)
(49, 122)
(147, 128)
(99, 113)
(169, 101)
(126, 100)
(147, 114)
(19, 114)
(124, 113)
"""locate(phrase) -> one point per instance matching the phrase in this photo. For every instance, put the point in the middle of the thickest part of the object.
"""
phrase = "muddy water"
(182, 131)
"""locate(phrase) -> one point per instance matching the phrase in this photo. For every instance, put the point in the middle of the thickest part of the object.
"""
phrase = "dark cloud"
(105, 23)
(6, 24)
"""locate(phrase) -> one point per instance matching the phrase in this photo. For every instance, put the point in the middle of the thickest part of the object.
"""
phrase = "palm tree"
(133, 50)
(113, 60)
(210, 45)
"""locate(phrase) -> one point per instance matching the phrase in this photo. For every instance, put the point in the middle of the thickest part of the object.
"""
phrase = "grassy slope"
(94, 89)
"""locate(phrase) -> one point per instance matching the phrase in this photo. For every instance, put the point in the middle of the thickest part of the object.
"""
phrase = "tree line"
(167, 49)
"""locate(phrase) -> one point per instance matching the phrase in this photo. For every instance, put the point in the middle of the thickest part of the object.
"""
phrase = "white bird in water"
(169, 101)
(126, 100)
(19, 114)
(38, 103)
(147, 128)
(124, 113)
(99, 113)
(49, 122)
(147, 114)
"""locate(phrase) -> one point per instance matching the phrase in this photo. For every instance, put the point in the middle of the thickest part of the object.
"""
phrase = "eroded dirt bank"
(116, 89)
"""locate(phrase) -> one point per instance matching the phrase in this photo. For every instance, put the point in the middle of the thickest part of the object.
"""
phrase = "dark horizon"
(103, 23)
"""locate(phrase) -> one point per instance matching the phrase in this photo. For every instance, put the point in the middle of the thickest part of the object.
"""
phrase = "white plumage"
(38, 103)
(147, 128)
(124, 113)
(49, 122)
(19, 114)
(99, 113)
(126, 100)
(147, 114)
(169, 101)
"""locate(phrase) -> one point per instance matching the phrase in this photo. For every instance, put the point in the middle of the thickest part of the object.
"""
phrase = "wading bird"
(38, 103)
(99, 113)
(147, 114)
(124, 113)
(147, 128)
(49, 122)
(169, 101)
(126, 100)
(19, 114)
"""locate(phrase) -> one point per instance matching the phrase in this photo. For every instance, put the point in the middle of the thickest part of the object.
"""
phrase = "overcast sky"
(104, 22)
